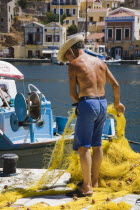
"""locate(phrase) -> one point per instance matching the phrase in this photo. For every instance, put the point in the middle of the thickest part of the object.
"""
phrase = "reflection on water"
(52, 80)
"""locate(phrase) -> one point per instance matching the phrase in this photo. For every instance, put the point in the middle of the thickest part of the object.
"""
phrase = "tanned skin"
(87, 77)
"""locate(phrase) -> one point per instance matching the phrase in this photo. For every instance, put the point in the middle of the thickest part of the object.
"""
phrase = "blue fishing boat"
(27, 125)
(102, 57)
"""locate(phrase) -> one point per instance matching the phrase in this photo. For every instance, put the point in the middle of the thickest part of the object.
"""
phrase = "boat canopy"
(8, 70)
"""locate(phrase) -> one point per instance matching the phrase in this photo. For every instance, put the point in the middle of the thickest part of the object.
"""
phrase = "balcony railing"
(32, 42)
(64, 3)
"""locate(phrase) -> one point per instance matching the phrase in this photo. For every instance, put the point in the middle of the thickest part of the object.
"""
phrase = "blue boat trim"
(102, 57)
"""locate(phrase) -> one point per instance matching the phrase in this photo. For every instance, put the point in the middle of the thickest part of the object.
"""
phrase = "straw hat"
(67, 45)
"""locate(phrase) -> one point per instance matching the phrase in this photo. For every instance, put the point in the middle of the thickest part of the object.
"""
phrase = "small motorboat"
(113, 61)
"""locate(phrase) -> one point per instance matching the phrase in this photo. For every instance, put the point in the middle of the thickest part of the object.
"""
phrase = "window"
(67, 21)
(67, 2)
(74, 11)
(137, 53)
(30, 54)
(110, 33)
(118, 34)
(9, 8)
(74, 2)
(90, 19)
(61, 2)
(54, 10)
(37, 37)
(101, 19)
(67, 12)
(45, 30)
(61, 11)
(37, 53)
(1, 19)
(126, 53)
(48, 38)
(37, 29)
(108, 5)
(73, 22)
(126, 33)
(56, 38)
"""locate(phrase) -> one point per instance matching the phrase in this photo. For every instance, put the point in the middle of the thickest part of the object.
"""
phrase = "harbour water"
(52, 80)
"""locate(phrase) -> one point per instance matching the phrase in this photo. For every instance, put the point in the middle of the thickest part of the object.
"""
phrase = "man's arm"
(116, 91)
(73, 84)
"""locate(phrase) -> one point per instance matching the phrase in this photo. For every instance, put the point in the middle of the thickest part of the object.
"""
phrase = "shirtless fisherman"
(87, 78)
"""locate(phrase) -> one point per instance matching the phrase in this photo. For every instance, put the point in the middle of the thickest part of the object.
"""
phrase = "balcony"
(28, 42)
(64, 3)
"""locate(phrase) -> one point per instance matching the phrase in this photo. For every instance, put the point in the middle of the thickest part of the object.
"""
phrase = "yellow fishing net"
(119, 174)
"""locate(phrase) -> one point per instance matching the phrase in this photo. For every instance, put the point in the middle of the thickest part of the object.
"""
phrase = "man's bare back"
(90, 73)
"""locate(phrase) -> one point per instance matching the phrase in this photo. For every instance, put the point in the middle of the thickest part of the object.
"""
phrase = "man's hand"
(119, 107)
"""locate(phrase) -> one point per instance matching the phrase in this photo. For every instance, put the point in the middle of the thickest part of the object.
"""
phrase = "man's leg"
(85, 160)
(96, 163)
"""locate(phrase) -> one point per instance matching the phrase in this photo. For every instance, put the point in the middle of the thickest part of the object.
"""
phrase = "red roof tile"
(95, 36)
(121, 14)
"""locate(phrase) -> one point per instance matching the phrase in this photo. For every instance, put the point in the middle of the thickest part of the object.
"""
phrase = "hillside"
(16, 36)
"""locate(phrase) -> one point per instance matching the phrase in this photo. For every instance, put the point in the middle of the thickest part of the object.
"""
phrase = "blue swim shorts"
(91, 117)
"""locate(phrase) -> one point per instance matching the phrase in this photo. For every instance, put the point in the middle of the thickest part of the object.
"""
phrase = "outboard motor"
(30, 111)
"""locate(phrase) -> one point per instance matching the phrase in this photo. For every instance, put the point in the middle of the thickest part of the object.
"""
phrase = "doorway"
(118, 52)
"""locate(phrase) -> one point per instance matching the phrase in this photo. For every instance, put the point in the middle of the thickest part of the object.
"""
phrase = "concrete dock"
(25, 178)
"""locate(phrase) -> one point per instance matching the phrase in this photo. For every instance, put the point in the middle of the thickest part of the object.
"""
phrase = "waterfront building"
(69, 7)
(33, 39)
(54, 36)
(122, 33)
(6, 15)
(41, 41)
(135, 4)
(113, 4)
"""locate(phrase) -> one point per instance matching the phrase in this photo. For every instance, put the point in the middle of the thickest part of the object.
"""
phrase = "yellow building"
(54, 36)
(89, 4)
(96, 19)
(69, 7)
(111, 3)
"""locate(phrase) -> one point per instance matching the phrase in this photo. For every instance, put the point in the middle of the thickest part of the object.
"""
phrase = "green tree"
(72, 30)
(22, 3)
(52, 17)
(62, 17)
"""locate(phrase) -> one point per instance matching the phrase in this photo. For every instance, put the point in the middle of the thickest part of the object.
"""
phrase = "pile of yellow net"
(119, 174)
